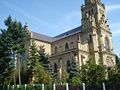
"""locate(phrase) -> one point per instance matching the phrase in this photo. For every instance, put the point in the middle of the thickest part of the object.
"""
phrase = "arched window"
(107, 44)
(66, 47)
(56, 50)
(55, 68)
(68, 66)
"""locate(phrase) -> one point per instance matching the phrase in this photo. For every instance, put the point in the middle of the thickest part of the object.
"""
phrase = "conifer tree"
(35, 70)
(43, 59)
(74, 72)
(32, 62)
(11, 40)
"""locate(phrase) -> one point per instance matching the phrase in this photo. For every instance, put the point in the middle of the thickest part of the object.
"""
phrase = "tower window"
(89, 13)
(107, 45)
(92, 11)
(90, 38)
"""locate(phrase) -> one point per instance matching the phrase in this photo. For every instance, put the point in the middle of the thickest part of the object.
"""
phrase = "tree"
(114, 74)
(43, 59)
(32, 62)
(74, 73)
(11, 41)
(92, 73)
(35, 70)
(64, 77)
(6, 62)
(42, 75)
(117, 59)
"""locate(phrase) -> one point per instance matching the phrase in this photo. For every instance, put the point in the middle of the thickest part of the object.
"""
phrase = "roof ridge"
(69, 32)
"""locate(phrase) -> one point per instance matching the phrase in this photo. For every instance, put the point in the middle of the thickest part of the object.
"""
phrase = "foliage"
(64, 77)
(43, 58)
(11, 41)
(114, 73)
(35, 71)
(32, 61)
(42, 76)
(92, 73)
(74, 73)
(117, 59)
(76, 81)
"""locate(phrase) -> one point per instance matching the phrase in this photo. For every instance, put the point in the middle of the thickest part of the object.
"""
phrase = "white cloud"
(112, 7)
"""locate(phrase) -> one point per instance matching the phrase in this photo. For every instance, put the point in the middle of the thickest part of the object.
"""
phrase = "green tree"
(6, 63)
(117, 59)
(114, 73)
(42, 75)
(64, 77)
(11, 41)
(35, 70)
(43, 58)
(92, 73)
(74, 73)
(32, 62)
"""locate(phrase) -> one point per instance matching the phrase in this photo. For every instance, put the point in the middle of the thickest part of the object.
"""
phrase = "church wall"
(46, 45)
(60, 44)
(108, 59)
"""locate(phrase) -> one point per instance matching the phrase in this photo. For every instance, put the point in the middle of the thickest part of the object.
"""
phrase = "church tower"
(96, 30)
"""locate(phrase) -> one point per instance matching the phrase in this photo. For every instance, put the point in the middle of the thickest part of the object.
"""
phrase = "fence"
(60, 87)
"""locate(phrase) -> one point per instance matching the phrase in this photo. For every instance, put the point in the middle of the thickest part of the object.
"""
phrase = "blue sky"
(52, 17)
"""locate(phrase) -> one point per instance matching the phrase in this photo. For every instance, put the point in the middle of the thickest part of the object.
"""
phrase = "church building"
(92, 38)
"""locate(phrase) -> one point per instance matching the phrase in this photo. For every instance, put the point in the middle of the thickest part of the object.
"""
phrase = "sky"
(52, 17)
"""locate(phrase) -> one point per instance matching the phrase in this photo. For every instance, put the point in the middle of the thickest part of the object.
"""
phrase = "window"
(60, 48)
(92, 11)
(107, 45)
(89, 12)
(55, 68)
(90, 38)
(66, 47)
(68, 66)
(72, 45)
(56, 50)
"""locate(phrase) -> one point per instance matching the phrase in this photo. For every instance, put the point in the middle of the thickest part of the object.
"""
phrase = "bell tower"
(97, 32)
